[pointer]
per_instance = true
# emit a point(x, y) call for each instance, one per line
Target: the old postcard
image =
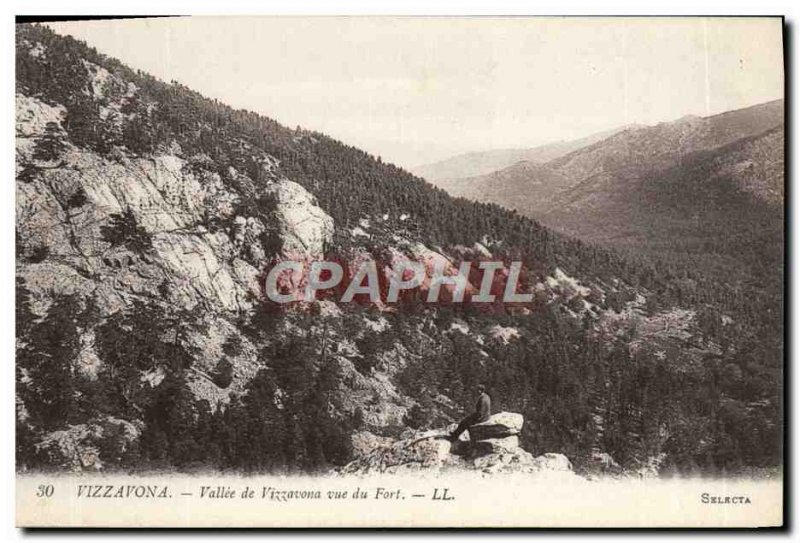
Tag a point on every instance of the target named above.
point(400, 272)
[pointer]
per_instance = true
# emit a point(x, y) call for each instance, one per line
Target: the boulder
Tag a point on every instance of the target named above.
point(553, 462)
point(517, 461)
point(365, 442)
point(547, 467)
point(433, 453)
point(304, 227)
point(499, 425)
point(495, 446)
point(411, 455)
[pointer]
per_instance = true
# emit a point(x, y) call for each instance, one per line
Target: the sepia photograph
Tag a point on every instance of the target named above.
point(400, 272)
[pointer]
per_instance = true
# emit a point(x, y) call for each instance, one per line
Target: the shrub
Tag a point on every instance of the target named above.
point(223, 374)
point(124, 229)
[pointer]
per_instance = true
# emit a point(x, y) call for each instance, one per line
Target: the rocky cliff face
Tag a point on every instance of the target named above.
point(204, 247)
point(205, 251)
point(64, 209)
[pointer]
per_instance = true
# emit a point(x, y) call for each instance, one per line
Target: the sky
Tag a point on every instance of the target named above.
point(416, 90)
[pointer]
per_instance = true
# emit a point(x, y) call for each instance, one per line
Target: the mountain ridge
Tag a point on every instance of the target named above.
point(625, 156)
point(484, 162)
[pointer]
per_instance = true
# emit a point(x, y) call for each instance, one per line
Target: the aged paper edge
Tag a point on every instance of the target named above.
point(47, 500)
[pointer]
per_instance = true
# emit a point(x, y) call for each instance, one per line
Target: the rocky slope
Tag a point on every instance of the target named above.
point(61, 216)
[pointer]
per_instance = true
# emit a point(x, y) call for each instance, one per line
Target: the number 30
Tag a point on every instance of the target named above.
point(44, 491)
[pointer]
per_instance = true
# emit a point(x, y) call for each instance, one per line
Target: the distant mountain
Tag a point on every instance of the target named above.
point(485, 162)
point(710, 194)
point(629, 154)
point(720, 210)
point(586, 187)
point(524, 187)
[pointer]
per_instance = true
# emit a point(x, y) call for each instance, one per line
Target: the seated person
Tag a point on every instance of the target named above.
point(483, 409)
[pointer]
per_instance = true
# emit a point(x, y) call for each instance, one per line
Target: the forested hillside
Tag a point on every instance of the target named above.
point(146, 215)
point(697, 198)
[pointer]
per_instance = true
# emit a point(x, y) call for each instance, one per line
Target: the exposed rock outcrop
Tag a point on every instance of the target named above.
point(77, 448)
point(499, 425)
point(496, 445)
point(304, 227)
point(432, 452)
